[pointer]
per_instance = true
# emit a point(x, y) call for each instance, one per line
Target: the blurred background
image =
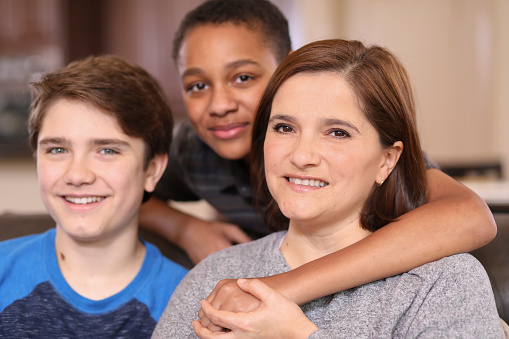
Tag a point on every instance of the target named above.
point(456, 52)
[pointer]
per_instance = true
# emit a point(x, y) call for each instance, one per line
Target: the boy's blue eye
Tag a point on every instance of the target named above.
point(108, 151)
point(56, 150)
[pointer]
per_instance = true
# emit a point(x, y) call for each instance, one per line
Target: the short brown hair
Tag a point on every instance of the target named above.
point(383, 91)
point(115, 86)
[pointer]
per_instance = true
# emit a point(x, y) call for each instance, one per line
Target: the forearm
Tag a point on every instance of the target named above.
point(455, 220)
point(197, 237)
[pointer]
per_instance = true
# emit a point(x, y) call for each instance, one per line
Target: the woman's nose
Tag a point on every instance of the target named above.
point(305, 152)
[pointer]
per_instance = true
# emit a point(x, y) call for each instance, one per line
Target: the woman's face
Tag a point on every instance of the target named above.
point(322, 155)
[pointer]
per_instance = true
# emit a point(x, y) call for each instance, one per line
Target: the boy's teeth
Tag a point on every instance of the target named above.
point(308, 182)
point(83, 200)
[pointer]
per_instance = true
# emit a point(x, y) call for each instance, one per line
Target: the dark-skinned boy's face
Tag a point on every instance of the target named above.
point(224, 70)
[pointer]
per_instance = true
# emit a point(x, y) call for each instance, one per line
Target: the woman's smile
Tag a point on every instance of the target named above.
point(322, 156)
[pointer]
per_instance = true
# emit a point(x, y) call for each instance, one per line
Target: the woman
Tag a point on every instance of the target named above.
point(337, 156)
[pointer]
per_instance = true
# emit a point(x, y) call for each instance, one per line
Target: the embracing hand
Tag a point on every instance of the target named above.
point(276, 317)
point(228, 296)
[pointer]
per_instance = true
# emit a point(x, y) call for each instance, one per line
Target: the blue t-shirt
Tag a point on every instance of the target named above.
point(37, 302)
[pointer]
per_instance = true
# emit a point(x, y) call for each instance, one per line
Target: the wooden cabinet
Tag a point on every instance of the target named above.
point(40, 35)
point(31, 42)
point(29, 25)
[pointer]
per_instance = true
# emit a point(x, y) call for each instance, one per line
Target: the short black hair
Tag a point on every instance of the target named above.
point(255, 14)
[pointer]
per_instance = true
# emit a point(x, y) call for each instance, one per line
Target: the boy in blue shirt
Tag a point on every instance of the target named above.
point(100, 129)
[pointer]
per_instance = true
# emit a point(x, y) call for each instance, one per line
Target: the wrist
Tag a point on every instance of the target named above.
point(286, 285)
point(306, 330)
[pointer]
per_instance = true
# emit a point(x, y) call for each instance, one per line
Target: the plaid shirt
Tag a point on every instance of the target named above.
point(196, 172)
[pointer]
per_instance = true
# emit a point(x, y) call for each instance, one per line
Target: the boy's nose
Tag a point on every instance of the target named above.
point(222, 102)
point(78, 172)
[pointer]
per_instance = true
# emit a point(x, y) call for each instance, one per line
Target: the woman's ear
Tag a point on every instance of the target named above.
point(391, 158)
point(155, 170)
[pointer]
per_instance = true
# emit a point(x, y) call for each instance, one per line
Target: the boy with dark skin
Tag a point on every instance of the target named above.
point(225, 52)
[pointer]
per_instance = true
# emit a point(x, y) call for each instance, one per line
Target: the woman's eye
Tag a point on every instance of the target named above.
point(339, 133)
point(283, 128)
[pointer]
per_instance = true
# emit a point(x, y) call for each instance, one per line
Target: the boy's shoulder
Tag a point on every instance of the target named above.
point(23, 265)
point(30, 274)
point(156, 280)
point(25, 251)
point(28, 241)
point(162, 267)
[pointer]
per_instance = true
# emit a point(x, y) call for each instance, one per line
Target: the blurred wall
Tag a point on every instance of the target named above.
point(455, 52)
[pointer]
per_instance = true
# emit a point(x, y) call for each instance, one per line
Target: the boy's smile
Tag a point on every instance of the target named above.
point(83, 200)
point(224, 70)
point(229, 131)
point(91, 173)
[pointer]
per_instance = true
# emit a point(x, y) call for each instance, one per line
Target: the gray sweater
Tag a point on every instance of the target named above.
point(448, 298)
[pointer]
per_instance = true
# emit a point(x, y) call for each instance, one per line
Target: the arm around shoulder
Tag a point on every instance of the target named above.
point(455, 220)
point(463, 211)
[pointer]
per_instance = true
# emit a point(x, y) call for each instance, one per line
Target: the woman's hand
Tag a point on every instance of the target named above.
point(276, 317)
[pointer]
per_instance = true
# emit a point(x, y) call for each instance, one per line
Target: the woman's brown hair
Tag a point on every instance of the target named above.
point(384, 94)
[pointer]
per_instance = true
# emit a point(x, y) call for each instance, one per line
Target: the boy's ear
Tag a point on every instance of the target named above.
point(391, 158)
point(155, 170)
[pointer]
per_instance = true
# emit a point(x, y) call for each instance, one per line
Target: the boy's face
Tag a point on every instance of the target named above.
point(224, 70)
point(91, 174)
